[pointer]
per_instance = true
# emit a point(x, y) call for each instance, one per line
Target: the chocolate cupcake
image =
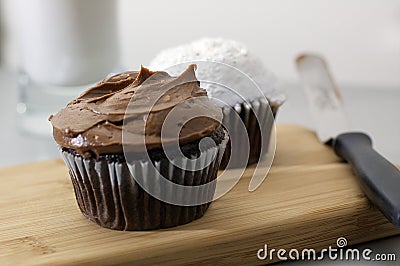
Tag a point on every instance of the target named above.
point(117, 148)
point(242, 86)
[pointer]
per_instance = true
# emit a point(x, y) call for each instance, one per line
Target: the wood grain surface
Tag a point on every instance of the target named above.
point(309, 199)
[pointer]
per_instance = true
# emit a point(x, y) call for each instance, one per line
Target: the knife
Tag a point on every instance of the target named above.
point(378, 178)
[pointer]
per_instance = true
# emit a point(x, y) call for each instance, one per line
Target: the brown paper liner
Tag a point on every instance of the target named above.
point(108, 195)
point(247, 115)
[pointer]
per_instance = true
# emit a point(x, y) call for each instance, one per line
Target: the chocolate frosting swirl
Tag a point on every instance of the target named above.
point(96, 120)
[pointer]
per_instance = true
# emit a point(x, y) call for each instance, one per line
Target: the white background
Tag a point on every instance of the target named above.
point(360, 38)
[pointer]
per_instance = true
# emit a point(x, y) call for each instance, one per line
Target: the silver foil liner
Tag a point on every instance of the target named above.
point(255, 115)
point(108, 194)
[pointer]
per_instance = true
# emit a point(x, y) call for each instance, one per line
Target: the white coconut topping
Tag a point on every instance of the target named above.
point(225, 68)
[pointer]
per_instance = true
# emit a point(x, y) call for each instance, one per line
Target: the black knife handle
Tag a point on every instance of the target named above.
point(379, 179)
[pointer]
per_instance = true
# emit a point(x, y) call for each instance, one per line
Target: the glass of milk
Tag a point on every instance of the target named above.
point(65, 46)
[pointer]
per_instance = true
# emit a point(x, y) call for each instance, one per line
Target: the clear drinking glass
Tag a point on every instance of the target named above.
point(65, 46)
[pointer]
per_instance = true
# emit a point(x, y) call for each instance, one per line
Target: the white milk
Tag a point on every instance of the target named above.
point(68, 42)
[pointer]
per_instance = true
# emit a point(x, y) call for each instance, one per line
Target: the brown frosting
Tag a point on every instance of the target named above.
point(96, 119)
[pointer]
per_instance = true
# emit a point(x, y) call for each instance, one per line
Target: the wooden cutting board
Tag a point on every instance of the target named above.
point(309, 199)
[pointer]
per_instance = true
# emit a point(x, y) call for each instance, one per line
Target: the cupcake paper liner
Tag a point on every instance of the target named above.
point(109, 195)
point(246, 113)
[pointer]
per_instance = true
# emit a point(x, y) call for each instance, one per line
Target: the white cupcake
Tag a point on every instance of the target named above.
point(240, 84)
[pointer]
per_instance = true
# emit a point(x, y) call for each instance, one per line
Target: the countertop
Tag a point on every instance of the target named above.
point(370, 109)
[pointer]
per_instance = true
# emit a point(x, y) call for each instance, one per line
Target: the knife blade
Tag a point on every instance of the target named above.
point(378, 178)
